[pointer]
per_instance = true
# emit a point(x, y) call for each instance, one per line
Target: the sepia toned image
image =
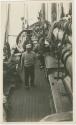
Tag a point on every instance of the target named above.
point(37, 61)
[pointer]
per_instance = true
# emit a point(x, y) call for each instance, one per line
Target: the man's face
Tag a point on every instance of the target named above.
point(28, 49)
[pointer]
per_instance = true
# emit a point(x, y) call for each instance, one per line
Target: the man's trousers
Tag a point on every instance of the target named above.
point(29, 75)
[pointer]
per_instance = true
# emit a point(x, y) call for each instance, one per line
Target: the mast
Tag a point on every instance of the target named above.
point(23, 18)
point(27, 16)
point(43, 12)
point(7, 25)
point(24, 11)
point(54, 12)
point(47, 11)
point(6, 49)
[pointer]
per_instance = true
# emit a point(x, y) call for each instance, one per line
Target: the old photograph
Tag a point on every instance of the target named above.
point(37, 61)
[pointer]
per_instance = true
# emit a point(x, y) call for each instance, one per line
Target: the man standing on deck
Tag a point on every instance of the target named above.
point(28, 61)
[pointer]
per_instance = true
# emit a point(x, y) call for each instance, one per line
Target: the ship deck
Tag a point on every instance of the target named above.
point(33, 104)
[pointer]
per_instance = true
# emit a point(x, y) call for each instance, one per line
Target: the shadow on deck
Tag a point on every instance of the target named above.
point(33, 104)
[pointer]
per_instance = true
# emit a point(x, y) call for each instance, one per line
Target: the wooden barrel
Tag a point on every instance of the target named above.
point(67, 58)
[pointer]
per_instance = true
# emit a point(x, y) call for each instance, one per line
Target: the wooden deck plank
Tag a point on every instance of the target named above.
point(55, 94)
point(60, 97)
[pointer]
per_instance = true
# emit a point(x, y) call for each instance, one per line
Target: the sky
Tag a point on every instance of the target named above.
point(18, 10)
